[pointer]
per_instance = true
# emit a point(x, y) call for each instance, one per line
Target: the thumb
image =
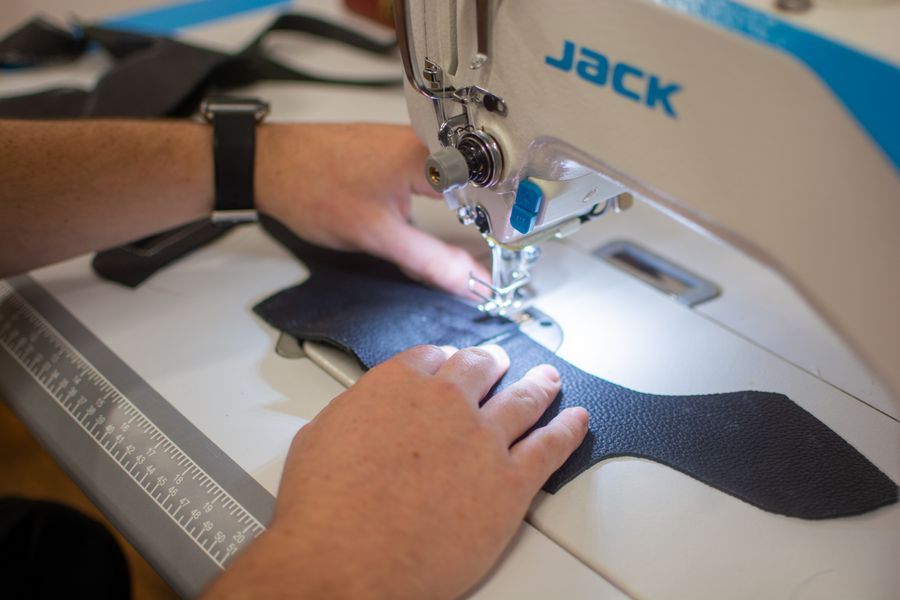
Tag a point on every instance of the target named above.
point(426, 258)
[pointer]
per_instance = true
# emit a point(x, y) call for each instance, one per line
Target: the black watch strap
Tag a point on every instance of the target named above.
point(234, 122)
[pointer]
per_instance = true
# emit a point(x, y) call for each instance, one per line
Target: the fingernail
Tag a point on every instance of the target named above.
point(498, 352)
point(581, 413)
point(550, 373)
point(449, 350)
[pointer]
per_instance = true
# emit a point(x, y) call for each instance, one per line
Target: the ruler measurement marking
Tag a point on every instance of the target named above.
point(13, 340)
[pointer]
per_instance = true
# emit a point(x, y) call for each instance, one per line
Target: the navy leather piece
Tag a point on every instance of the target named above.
point(758, 446)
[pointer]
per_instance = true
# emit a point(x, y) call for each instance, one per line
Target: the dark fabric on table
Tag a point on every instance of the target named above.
point(757, 446)
point(154, 75)
point(39, 41)
point(134, 263)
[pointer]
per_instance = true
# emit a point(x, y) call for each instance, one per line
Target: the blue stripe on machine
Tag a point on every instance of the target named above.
point(169, 18)
point(867, 86)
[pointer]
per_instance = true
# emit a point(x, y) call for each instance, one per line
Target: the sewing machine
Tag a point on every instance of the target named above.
point(544, 116)
point(753, 151)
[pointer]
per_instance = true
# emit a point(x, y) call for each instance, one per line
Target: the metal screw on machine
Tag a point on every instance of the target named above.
point(433, 74)
point(466, 215)
point(493, 103)
point(476, 158)
point(482, 220)
point(530, 254)
point(475, 215)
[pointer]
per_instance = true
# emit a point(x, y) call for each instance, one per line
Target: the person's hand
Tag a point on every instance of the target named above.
point(402, 487)
point(348, 187)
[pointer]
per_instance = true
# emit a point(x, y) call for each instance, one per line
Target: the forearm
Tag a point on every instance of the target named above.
point(72, 187)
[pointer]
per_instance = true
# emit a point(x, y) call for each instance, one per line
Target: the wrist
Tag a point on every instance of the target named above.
point(280, 565)
point(234, 122)
point(272, 154)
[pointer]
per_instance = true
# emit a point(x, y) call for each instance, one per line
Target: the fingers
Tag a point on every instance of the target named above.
point(475, 370)
point(516, 408)
point(424, 257)
point(547, 448)
point(426, 359)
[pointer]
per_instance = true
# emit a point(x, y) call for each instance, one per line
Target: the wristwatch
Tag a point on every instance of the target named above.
point(234, 122)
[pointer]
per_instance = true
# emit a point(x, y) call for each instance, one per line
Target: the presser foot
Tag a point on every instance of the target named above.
point(500, 301)
point(510, 273)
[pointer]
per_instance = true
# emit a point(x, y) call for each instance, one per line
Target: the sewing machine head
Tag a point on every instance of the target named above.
point(514, 207)
point(514, 222)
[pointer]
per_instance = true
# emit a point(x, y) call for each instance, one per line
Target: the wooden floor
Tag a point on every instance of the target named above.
point(26, 470)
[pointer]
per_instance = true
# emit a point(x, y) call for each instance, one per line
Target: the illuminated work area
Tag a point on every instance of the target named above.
point(565, 299)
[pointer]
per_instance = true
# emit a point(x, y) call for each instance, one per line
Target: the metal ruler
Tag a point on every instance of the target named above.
point(204, 511)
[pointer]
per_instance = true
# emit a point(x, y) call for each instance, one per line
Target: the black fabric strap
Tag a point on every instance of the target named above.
point(155, 76)
point(757, 446)
point(39, 41)
point(134, 263)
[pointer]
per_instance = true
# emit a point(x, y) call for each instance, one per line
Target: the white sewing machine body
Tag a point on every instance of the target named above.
point(728, 116)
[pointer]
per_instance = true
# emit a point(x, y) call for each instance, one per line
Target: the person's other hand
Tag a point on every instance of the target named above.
point(348, 187)
point(402, 487)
